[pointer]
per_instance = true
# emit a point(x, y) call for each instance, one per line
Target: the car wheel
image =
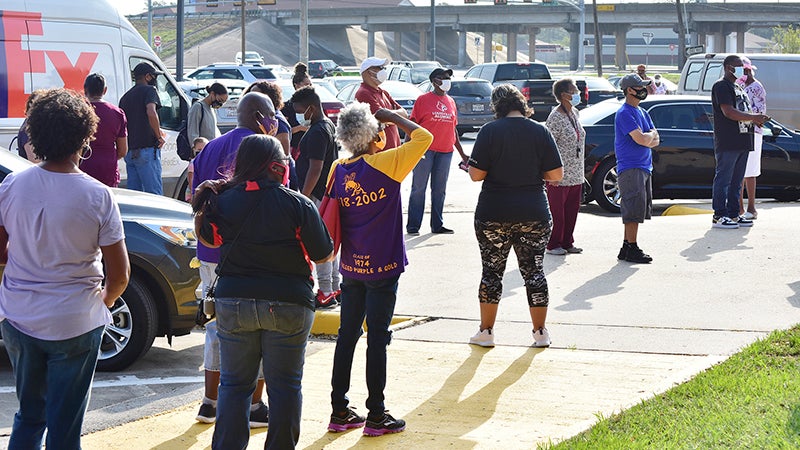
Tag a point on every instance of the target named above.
point(134, 322)
point(605, 187)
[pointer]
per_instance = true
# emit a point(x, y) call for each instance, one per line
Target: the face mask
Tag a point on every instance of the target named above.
point(282, 169)
point(576, 99)
point(268, 125)
point(738, 72)
point(216, 104)
point(153, 81)
point(301, 118)
point(445, 86)
point(641, 95)
point(380, 140)
point(382, 75)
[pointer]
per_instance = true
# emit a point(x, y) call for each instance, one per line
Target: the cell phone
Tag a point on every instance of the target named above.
point(463, 165)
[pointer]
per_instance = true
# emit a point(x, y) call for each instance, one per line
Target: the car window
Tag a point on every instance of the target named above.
point(228, 74)
point(471, 89)
point(599, 84)
point(706, 116)
point(205, 74)
point(419, 75)
point(262, 74)
point(346, 94)
point(404, 75)
point(713, 73)
point(692, 79)
point(522, 72)
point(676, 117)
point(474, 72)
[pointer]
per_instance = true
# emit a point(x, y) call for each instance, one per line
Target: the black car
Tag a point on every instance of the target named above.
point(473, 99)
point(322, 68)
point(160, 299)
point(683, 165)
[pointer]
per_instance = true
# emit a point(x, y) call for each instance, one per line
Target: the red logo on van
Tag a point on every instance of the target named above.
point(18, 61)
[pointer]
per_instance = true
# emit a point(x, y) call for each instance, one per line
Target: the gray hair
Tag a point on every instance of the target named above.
point(356, 128)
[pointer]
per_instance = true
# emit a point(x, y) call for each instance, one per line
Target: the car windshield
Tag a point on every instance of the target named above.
point(419, 75)
point(252, 55)
point(470, 89)
point(262, 74)
point(599, 84)
point(402, 90)
point(599, 111)
point(522, 72)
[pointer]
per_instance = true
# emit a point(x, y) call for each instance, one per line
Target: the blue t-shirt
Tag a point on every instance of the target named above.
point(631, 155)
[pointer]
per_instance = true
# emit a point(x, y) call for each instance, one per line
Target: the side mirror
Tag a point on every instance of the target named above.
point(776, 130)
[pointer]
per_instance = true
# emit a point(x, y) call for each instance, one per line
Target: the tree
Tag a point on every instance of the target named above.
point(787, 40)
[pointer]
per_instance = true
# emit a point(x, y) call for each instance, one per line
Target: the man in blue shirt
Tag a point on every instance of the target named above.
point(635, 136)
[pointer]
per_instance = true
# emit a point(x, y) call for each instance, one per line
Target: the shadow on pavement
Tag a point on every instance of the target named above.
point(605, 284)
point(715, 241)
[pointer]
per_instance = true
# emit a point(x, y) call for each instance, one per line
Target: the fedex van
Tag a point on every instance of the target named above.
point(55, 43)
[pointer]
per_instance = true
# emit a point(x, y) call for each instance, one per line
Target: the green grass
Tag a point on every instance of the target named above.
point(196, 30)
point(750, 401)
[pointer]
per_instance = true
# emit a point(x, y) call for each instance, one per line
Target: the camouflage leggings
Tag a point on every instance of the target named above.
point(529, 240)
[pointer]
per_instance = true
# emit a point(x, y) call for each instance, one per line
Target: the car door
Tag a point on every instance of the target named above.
point(780, 158)
point(685, 156)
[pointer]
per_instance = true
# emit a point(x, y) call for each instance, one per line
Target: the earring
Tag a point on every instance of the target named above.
point(86, 149)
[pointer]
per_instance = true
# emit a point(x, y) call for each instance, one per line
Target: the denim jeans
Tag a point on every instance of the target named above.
point(143, 166)
point(375, 300)
point(436, 166)
point(53, 379)
point(250, 330)
point(728, 176)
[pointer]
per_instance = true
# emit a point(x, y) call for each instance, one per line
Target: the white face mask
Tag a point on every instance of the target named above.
point(382, 75)
point(445, 86)
point(301, 118)
point(576, 99)
point(738, 72)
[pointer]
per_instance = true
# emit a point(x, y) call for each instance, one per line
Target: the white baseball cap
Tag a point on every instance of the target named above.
point(372, 61)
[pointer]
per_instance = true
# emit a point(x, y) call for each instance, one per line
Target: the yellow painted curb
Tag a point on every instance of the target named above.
point(681, 210)
point(327, 322)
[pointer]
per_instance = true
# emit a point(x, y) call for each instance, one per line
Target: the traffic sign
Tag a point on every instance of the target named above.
point(694, 50)
point(157, 41)
point(648, 36)
point(671, 47)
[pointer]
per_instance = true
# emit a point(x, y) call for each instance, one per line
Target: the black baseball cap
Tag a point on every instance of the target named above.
point(438, 72)
point(144, 68)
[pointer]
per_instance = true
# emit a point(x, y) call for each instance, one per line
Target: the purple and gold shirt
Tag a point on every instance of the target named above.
point(368, 190)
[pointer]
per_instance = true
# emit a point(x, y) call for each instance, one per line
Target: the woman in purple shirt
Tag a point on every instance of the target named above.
point(110, 143)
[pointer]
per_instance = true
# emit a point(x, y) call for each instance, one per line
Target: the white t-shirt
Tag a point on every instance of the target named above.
point(56, 223)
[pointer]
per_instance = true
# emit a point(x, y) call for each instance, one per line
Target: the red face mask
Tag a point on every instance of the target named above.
point(282, 169)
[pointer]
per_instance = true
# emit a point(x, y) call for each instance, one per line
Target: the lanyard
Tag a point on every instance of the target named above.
point(575, 127)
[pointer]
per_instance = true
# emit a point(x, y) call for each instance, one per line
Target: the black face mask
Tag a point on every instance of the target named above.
point(641, 95)
point(216, 104)
point(153, 81)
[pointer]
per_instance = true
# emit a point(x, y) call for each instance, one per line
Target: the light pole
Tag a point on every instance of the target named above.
point(433, 30)
point(581, 46)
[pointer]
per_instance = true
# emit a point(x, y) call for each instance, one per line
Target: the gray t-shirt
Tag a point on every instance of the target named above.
point(202, 121)
point(56, 224)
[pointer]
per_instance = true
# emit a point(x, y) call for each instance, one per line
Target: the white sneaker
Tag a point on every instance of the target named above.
point(483, 338)
point(750, 216)
point(541, 338)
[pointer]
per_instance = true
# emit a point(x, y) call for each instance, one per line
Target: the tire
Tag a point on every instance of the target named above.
point(133, 328)
point(605, 188)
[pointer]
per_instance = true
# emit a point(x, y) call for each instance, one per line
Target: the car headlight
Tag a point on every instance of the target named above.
point(178, 234)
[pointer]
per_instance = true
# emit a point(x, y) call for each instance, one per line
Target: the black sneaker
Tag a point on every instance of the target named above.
point(259, 417)
point(413, 232)
point(385, 425)
point(636, 255)
point(207, 414)
point(350, 420)
point(623, 252)
point(443, 230)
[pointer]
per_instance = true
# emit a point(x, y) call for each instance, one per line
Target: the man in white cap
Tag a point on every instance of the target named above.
point(373, 73)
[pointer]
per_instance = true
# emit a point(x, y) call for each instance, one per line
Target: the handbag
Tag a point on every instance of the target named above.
point(329, 211)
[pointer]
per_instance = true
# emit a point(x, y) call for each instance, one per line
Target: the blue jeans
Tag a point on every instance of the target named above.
point(375, 300)
point(52, 380)
point(436, 166)
point(250, 330)
point(143, 166)
point(728, 176)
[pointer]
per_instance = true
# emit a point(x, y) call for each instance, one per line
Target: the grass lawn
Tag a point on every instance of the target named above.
point(750, 401)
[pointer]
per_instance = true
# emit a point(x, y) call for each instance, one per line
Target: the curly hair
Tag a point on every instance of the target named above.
point(306, 96)
point(60, 123)
point(270, 89)
point(356, 128)
point(561, 86)
point(300, 73)
point(507, 98)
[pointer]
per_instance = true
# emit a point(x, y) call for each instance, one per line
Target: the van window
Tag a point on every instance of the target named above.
point(693, 72)
point(170, 112)
point(522, 72)
point(713, 73)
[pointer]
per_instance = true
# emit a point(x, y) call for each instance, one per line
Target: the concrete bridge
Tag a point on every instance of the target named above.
point(704, 20)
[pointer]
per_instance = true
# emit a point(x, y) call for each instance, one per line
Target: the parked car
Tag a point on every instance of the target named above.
point(322, 68)
point(599, 89)
point(672, 88)
point(403, 93)
point(473, 99)
point(160, 299)
point(411, 75)
point(683, 165)
point(249, 58)
point(417, 64)
point(223, 71)
point(226, 115)
point(341, 81)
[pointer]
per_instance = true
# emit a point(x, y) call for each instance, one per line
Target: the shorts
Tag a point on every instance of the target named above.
point(636, 195)
point(753, 168)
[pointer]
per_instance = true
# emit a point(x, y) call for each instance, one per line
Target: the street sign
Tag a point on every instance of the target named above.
point(648, 36)
point(605, 7)
point(671, 47)
point(694, 50)
point(157, 41)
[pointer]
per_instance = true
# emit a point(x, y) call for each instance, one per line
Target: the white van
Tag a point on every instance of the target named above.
point(54, 43)
point(775, 71)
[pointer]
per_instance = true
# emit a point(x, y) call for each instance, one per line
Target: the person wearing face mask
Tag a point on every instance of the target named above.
point(733, 141)
point(635, 136)
point(318, 150)
point(436, 112)
point(641, 70)
point(373, 73)
point(758, 103)
point(564, 196)
point(202, 120)
point(145, 137)
point(659, 88)
point(255, 115)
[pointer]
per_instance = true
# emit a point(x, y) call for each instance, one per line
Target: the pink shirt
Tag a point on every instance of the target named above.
point(439, 115)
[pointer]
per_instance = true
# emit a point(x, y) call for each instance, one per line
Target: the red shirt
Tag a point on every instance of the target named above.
point(377, 98)
point(439, 115)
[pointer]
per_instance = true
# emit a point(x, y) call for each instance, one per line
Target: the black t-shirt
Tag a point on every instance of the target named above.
point(134, 103)
point(268, 259)
point(318, 143)
point(515, 152)
point(728, 135)
point(288, 112)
